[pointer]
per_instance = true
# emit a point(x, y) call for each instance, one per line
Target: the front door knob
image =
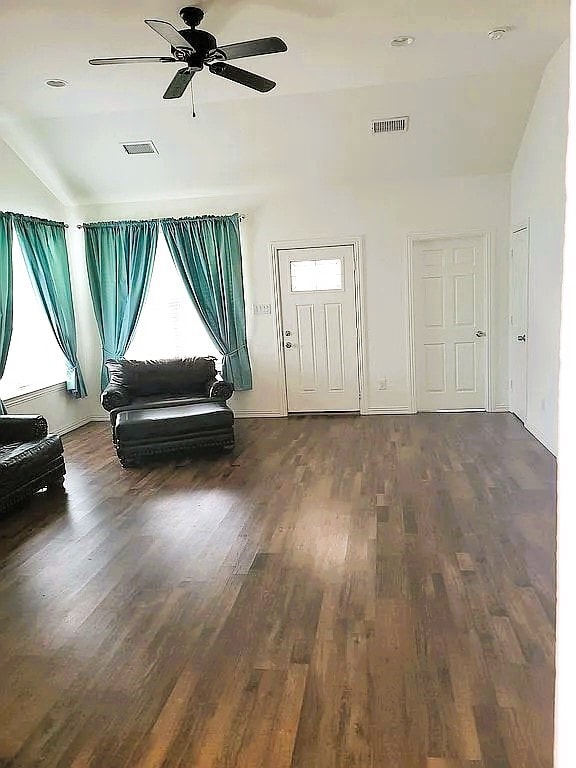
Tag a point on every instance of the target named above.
point(288, 344)
point(522, 338)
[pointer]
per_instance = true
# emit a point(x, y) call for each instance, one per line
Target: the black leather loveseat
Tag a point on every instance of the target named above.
point(30, 458)
point(166, 407)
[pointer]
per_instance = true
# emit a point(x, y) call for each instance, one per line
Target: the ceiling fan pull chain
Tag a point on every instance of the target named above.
point(192, 100)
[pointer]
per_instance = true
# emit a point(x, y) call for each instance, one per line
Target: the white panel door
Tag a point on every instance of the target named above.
point(518, 321)
point(319, 329)
point(450, 323)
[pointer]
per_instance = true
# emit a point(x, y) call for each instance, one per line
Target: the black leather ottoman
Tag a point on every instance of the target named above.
point(149, 433)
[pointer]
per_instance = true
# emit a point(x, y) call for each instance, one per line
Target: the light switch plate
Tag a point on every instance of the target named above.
point(261, 309)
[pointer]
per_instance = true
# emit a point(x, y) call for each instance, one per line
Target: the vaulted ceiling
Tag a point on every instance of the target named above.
point(468, 96)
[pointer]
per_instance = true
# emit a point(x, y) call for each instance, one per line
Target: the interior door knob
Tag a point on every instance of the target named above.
point(480, 334)
point(522, 338)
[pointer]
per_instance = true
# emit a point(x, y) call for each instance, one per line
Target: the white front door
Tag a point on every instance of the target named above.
point(450, 323)
point(319, 330)
point(518, 321)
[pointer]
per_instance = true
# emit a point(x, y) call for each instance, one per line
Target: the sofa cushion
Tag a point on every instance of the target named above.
point(154, 377)
point(172, 422)
point(23, 460)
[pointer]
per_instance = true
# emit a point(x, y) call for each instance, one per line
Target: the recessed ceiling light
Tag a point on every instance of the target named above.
point(498, 34)
point(57, 83)
point(402, 40)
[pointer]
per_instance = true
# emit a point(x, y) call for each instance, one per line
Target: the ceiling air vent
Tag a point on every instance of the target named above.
point(140, 148)
point(391, 125)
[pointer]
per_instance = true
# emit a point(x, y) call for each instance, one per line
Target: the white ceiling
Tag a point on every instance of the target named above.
point(314, 139)
point(333, 46)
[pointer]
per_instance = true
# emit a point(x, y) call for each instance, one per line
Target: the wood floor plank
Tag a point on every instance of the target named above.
point(336, 593)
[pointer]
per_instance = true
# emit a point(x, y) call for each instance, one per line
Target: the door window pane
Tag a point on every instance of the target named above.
point(320, 275)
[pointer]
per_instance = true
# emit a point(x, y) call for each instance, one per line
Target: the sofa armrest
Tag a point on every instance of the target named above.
point(115, 396)
point(22, 428)
point(219, 389)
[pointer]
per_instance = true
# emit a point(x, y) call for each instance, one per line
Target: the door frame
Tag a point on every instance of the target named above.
point(357, 245)
point(486, 237)
point(518, 227)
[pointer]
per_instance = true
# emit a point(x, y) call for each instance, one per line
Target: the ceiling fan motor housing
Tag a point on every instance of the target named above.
point(202, 42)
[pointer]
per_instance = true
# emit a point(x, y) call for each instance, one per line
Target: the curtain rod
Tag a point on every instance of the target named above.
point(241, 216)
point(37, 218)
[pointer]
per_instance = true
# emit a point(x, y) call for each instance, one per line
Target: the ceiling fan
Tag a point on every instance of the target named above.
point(196, 49)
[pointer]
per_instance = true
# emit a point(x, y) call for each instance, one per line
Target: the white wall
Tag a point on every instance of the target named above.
point(22, 192)
point(384, 215)
point(538, 194)
point(566, 568)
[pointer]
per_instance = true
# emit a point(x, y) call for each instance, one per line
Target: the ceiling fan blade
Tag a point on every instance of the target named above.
point(254, 48)
point(134, 60)
point(179, 83)
point(169, 33)
point(242, 76)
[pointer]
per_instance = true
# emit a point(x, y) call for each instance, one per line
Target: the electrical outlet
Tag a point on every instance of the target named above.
point(261, 309)
point(382, 385)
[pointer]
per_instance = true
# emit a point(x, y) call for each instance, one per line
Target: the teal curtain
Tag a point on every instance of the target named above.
point(6, 288)
point(208, 255)
point(43, 245)
point(120, 258)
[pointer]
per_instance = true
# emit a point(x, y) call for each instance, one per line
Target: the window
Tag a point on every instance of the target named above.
point(34, 358)
point(169, 325)
point(320, 275)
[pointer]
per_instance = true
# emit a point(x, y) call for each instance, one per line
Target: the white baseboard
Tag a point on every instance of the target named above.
point(399, 410)
point(74, 425)
point(80, 423)
point(540, 437)
point(406, 409)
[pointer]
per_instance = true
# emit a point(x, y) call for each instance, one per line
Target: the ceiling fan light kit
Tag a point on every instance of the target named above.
point(499, 33)
point(196, 49)
point(403, 40)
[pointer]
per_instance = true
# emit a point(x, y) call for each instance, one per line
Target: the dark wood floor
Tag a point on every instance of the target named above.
point(337, 593)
